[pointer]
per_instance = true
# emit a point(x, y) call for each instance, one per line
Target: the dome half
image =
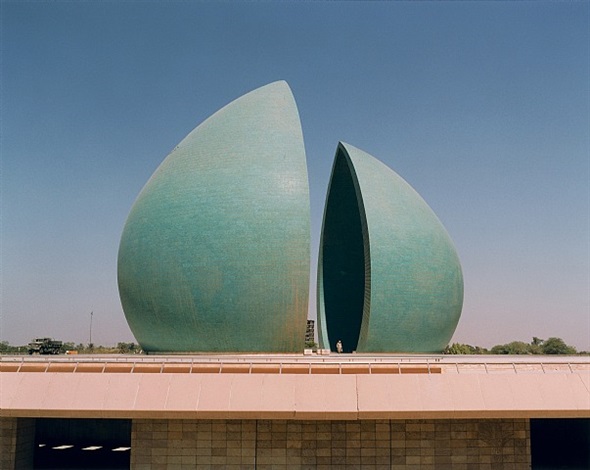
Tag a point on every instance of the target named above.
point(214, 255)
point(389, 278)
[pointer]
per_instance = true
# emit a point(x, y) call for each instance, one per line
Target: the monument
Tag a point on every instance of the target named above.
point(215, 253)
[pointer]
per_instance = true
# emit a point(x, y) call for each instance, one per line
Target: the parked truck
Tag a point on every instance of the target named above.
point(45, 346)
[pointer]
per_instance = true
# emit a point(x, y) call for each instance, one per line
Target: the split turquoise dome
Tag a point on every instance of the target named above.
point(389, 279)
point(215, 252)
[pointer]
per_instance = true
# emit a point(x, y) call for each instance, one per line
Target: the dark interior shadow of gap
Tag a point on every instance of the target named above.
point(344, 261)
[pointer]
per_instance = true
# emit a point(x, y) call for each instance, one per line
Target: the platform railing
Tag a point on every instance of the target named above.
point(295, 364)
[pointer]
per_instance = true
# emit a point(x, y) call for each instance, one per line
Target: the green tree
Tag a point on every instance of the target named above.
point(126, 348)
point(535, 346)
point(7, 348)
point(500, 349)
point(458, 348)
point(519, 347)
point(556, 346)
point(311, 345)
point(515, 347)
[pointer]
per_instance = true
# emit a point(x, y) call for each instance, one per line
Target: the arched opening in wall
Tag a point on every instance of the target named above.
point(343, 257)
point(82, 443)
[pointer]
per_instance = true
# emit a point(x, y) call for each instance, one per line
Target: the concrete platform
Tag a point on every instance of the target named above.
point(295, 387)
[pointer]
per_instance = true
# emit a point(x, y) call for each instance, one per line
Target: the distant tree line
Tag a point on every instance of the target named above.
point(6, 348)
point(90, 348)
point(536, 346)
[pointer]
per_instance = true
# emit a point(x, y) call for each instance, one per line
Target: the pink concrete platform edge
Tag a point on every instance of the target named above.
point(499, 392)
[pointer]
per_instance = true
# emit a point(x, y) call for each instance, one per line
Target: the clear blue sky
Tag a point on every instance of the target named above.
point(483, 107)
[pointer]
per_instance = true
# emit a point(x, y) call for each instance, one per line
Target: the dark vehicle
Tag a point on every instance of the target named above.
point(45, 346)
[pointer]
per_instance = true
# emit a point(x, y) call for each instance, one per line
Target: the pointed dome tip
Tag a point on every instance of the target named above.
point(278, 84)
point(280, 87)
point(346, 146)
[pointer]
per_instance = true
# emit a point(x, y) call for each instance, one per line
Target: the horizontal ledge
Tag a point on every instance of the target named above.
point(294, 415)
point(218, 368)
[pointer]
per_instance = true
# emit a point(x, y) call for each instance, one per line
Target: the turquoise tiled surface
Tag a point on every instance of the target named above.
point(214, 255)
point(389, 278)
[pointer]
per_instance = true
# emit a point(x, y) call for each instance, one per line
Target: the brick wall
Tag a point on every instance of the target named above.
point(376, 444)
point(180, 444)
point(7, 442)
point(17, 439)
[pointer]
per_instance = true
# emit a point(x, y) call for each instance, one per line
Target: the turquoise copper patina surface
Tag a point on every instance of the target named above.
point(214, 255)
point(389, 278)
